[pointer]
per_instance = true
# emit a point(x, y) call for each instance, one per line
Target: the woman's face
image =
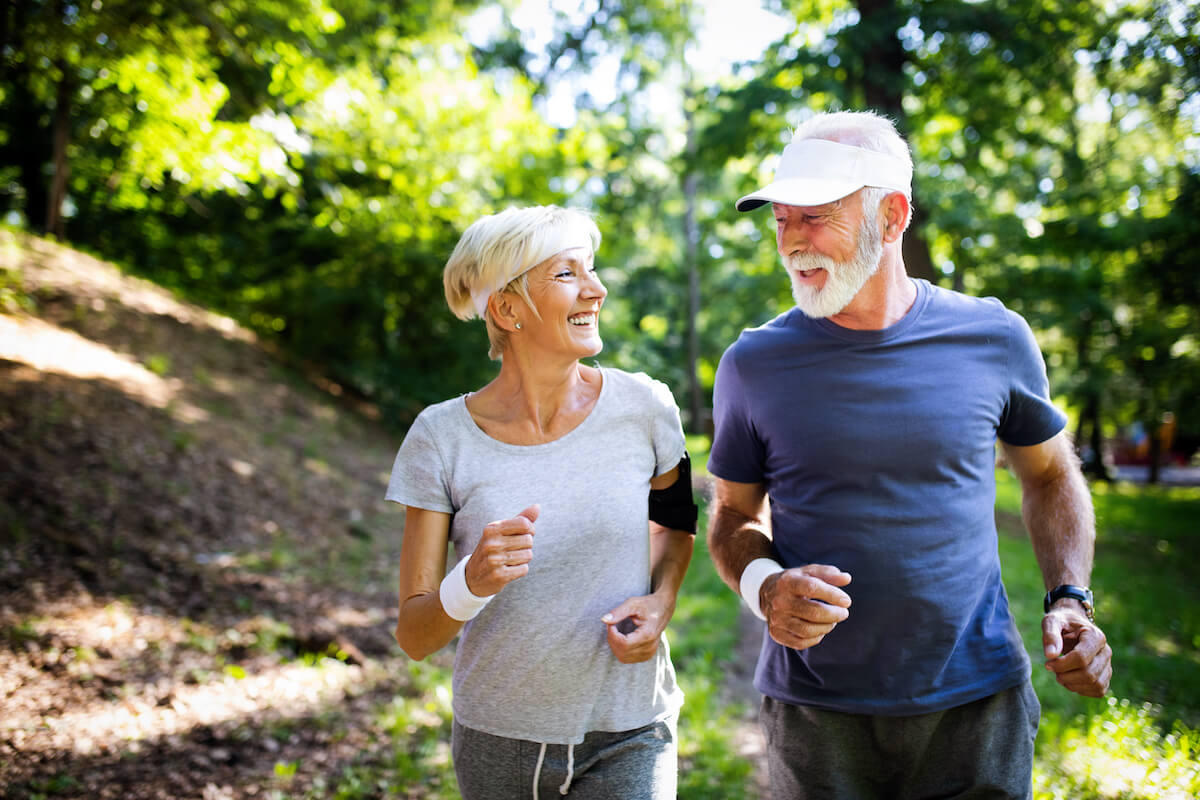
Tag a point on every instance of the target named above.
point(568, 295)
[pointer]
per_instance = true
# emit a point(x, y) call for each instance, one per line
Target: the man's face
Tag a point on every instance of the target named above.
point(829, 251)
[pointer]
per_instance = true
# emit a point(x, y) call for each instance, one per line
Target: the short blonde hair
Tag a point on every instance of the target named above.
point(497, 251)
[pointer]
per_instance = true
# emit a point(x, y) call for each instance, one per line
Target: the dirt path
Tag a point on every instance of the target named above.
point(196, 562)
point(740, 684)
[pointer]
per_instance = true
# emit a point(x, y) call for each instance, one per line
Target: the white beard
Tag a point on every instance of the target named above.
point(843, 279)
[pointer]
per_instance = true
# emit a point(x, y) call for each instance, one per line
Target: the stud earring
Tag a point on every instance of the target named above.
point(518, 326)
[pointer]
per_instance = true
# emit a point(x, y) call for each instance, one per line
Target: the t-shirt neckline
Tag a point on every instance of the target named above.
point(479, 433)
point(898, 328)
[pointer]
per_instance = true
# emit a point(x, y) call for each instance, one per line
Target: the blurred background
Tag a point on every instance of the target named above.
point(286, 178)
point(302, 164)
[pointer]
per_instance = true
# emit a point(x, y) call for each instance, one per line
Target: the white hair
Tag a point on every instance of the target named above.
point(497, 251)
point(867, 130)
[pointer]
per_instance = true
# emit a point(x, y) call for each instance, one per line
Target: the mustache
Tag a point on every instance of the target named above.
point(809, 261)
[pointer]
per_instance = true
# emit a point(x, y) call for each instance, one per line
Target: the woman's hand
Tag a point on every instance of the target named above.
point(503, 553)
point(635, 626)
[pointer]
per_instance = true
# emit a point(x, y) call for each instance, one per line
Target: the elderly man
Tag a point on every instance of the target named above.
point(853, 510)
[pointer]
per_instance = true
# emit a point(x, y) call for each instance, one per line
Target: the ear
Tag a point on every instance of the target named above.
point(895, 210)
point(503, 311)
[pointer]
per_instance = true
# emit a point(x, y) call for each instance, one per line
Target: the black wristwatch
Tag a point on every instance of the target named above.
point(1080, 593)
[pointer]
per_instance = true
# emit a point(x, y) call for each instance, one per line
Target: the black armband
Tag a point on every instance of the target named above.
point(674, 507)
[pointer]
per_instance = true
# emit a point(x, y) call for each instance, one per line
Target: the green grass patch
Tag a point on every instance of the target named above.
point(416, 759)
point(1141, 741)
point(703, 636)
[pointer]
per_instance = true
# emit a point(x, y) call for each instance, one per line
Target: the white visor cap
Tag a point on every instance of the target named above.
point(813, 172)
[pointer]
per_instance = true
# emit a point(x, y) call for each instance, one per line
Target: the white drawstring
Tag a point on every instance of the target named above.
point(566, 787)
point(537, 772)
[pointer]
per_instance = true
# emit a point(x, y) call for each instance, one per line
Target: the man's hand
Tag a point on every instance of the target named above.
point(804, 604)
point(1077, 651)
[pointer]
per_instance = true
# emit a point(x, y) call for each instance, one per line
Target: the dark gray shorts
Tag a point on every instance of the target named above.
point(641, 764)
point(983, 749)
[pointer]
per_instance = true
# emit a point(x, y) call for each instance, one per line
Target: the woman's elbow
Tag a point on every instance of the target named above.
point(411, 645)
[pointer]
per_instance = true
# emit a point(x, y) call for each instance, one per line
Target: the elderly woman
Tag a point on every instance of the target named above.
point(566, 492)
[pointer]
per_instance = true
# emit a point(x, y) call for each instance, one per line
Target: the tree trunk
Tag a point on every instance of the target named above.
point(55, 224)
point(691, 235)
point(29, 151)
point(883, 90)
point(1089, 439)
point(917, 260)
point(1089, 416)
point(1152, 472)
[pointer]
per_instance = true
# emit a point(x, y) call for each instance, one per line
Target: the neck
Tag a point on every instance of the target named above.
point(536, 401)
point(884, 299)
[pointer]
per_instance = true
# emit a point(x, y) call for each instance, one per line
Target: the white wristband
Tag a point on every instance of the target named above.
point(457, 599)
point(752, 579)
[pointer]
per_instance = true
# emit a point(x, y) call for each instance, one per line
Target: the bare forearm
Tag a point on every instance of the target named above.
point(670, 555)
point(1062, 527)
point(734, 540)
point(424, 627)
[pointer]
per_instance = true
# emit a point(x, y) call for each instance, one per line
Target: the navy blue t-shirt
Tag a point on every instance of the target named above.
point(877, 450)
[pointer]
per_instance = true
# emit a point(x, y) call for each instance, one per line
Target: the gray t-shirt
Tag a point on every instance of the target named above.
point(535, 664)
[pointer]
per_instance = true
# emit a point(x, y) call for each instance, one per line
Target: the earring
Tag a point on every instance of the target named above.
point(518, 326)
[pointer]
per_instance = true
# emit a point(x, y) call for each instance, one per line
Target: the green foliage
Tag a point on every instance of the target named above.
point(1140, 759)
point(1141, 741)
point(306, 166)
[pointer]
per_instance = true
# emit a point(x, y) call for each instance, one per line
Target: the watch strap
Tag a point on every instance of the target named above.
point(1080, 593)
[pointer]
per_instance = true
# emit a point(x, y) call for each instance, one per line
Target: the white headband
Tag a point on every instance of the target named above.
point(813, 172)
point(576, 233)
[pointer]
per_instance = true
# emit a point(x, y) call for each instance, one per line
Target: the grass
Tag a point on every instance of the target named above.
point(703, 636)
point(1142, 740)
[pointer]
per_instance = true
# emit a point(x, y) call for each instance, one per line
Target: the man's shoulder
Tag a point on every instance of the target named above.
point(952, 301)
point(786, 325)
point(953, 297)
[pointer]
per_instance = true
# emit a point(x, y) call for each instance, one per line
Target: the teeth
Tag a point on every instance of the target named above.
point(585, 319)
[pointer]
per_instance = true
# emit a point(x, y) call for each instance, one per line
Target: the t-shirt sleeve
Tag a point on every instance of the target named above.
point(666, 430)
point(418, 474)
point(1029, 417)
point(737, 452)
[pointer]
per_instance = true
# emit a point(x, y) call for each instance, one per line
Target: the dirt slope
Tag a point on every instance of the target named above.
point(196, 565)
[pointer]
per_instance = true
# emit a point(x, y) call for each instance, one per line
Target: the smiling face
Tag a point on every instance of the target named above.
point(568, 295)
point(830, 252)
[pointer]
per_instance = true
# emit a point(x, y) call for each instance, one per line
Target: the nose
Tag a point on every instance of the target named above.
point(789, 234)
point(594, 287)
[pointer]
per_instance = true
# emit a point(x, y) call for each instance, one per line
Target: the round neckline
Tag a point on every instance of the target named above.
point(897, 328)
point(479, 433)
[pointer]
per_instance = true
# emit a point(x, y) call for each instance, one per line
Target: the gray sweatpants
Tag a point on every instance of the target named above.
point(983, 749)
point(641, 764)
